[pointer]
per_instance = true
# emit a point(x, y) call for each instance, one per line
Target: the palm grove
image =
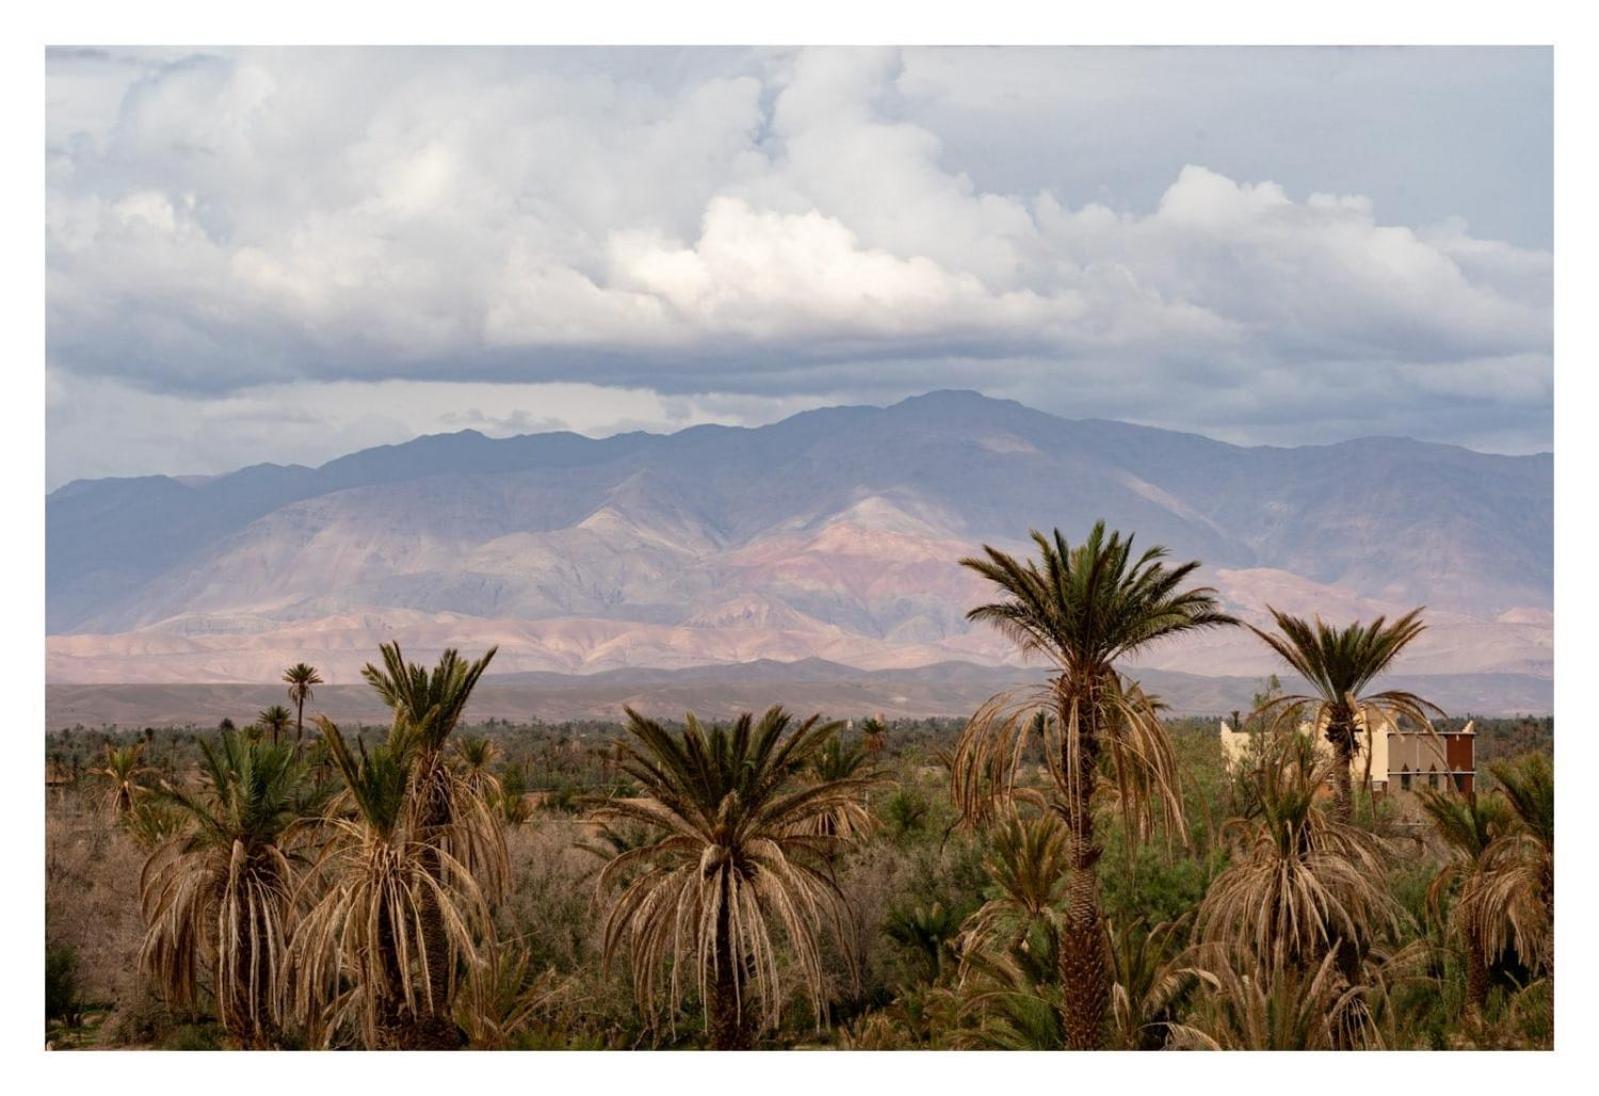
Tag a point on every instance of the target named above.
point(1073, 870)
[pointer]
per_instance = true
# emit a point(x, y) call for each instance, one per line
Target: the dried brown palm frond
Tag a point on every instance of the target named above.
point(1301, 881)
point(1259, 1007)
point(1515, 904)
point(730, 868)
point(990, 754)
point(1468, 826)
point(1508, 906)
point(218, 900)
point(456, 812)
point(1009, 1000)
point(361, 959)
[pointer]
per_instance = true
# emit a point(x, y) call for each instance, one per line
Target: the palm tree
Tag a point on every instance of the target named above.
point(450, 814)
point(1083, 609)
point(1275, 1008)
point(300, 677)
point(1154, 980)
point(733, 854)
point(833, 763)
point(1515, 905)
point(504, 997)
point(1302, 883)
point(1028, 868)
point(926, 935)
point(1468, 825)
point(220, 895)
point(124, 775)
point(874, 734)
point(1339, 664)
point(361, 957)
point(474, 759)
point(274, 719)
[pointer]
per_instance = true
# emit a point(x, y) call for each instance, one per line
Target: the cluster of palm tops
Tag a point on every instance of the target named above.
point(358, 910)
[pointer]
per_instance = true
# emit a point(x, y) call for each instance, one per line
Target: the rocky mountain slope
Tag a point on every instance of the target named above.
point(833, 534)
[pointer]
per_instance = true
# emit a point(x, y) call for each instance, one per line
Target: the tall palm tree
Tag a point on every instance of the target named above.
point(300, 677)
point(274, 719)
point(360, 958)
point(1083, 609)
point(1468, 825)
point(732, 858)
point(1339, 664)
point(451, 816)
point(1302, 883)
point(219, 897)
point(125, 775)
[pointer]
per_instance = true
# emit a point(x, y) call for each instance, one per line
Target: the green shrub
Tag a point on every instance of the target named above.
point(61, 990)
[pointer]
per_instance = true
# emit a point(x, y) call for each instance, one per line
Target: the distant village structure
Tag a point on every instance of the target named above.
point(1401, 760)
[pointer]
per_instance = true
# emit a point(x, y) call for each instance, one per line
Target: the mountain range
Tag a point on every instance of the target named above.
point(834, 534)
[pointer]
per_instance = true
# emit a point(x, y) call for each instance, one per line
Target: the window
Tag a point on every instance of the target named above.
point(1460, 782)
point(1404, 779)
point(1432, 777)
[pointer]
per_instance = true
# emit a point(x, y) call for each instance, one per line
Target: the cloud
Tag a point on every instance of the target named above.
point(775, 225)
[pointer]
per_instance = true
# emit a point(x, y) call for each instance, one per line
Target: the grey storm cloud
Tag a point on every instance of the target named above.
point(1262, 245)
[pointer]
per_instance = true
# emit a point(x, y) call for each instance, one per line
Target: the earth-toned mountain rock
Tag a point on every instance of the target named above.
point(834, 534)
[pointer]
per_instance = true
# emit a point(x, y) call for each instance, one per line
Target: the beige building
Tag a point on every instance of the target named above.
point(1401, 760)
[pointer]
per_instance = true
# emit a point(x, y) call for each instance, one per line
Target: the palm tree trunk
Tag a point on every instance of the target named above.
point(728, 1031)
point(396, 1026)
point(1476, 980)
point(1084, 973)
point(299, 723)
point(1341, 734)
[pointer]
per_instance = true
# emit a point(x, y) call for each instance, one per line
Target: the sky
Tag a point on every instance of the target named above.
point(289, 254)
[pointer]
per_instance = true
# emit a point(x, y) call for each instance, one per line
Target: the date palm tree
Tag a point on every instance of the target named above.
point(1083, 609)
point(274, 719)
point(1468, 825)
point(474, 760)
point(1028, 868)
point(300, 678)
point(874, 735)
point(833, 763)
point(1302, 883)
point(1339, 664)
point(1515, 904)
point(218, 898)
point(1253, 1007)
point(450, 814)
point(125, 777)
point(361, 958)
point(733, 859)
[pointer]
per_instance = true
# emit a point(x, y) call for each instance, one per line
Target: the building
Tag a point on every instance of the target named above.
point(1402, 760)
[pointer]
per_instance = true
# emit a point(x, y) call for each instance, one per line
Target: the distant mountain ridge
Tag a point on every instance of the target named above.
point(832, 534)
point(950, 689)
